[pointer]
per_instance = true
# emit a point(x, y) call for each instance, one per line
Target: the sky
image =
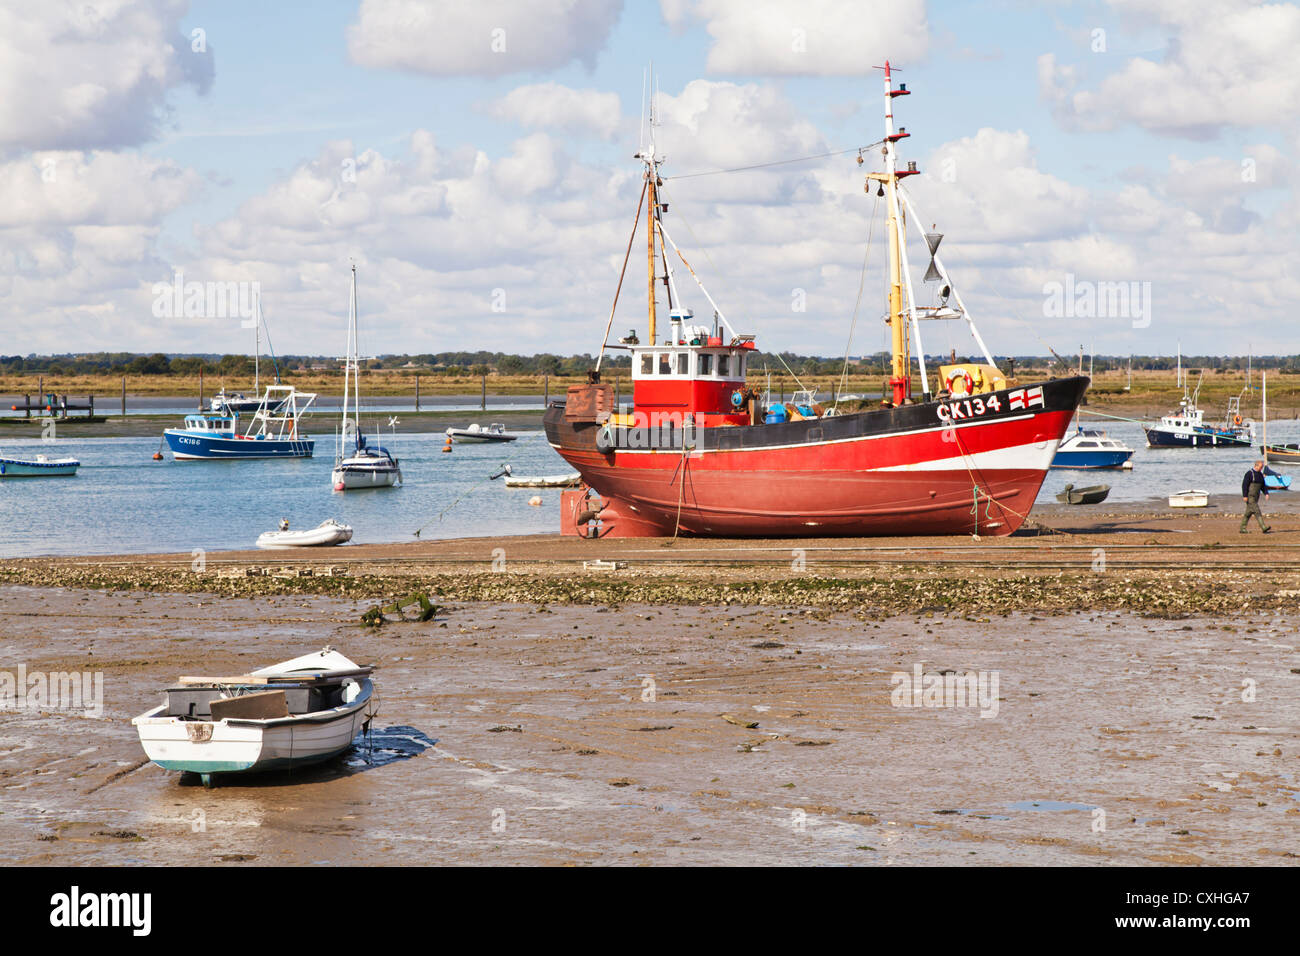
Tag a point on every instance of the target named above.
point(474, 160)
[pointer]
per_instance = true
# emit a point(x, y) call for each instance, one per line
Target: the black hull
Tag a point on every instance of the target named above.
point(1157, 438)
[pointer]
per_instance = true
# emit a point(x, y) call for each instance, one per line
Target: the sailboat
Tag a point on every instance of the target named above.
point(699, 455)
point(359, 465)
point(1275, 454)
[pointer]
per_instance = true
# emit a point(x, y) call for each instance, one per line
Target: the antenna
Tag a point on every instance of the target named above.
point(641, 144)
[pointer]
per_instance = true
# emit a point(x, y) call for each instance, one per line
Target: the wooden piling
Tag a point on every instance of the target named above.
point(124, 396)
point(483, 399)
point(200, 388)
point(546, 390)
point(417, 392)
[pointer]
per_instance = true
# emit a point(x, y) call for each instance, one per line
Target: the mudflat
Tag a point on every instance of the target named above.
point(598, 733)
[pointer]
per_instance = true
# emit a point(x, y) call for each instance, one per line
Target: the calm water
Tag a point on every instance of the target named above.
point(123, 501)
point(1159, 472)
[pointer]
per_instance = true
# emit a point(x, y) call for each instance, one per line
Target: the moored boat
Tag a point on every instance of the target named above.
point(274, 432)
point(1274, 454)
point(965, 453)
point(1094, 494)
point(1192, 498)
point(1091, 448)
point(329, 532)
point(359, 465)
point(1186, 428)
point(39, 467)
point(1281, 454)
point(496, 432)
point(300, 712)
point(571, 480)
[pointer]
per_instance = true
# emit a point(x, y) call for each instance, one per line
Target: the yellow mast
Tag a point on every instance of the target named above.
point(900, 382)
point(897, 324)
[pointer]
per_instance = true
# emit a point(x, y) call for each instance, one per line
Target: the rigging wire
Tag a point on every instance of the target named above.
point(779, 162)
point(716, 271)
point(645, 184)
point(862, 281)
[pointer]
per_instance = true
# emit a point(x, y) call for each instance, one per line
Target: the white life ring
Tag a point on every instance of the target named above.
point(962, 374)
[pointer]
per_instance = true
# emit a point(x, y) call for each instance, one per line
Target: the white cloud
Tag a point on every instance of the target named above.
point(558, 107)
point(484, 37)
point(81, 75)
point(1228, 63)
point(810, 38)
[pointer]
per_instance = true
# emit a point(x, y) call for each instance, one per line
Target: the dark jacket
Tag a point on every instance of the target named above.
point(1254, 477)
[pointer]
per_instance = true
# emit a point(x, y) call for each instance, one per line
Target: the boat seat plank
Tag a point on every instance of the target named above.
point(191, 681)
point(259, 706)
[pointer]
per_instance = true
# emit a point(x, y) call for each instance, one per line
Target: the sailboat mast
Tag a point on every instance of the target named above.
point(1264, 412)
point(257, 347)
point(356, 359)
point(347, 365)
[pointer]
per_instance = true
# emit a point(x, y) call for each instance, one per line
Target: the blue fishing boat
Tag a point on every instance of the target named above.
point(274, 432)
point(1091, 448)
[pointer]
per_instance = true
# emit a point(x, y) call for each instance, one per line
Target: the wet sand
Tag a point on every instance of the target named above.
point(539, 726)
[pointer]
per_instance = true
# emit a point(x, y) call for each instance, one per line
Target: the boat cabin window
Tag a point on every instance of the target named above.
point(1087, 444)
point(683, 363)
point(648, 364)
point(664, 367)
point(724, 365)
point(706, 365)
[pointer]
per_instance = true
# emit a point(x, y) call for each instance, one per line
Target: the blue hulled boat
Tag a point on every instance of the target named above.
point(274, 431)
point(1091, 448)
point(1186, 428)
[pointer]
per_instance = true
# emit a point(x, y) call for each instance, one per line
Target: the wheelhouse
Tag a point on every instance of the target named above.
point(693, 373)
point(212, 424)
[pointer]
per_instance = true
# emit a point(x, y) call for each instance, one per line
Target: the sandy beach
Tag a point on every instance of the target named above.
point(704, 703)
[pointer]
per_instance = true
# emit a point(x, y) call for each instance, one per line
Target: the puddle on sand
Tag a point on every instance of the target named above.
point(1049, 805)
point(386, 745)
point(977, 814)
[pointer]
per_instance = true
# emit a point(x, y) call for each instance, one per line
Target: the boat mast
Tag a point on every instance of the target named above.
point(647, 156)
point(349, 364)
point(356, 361)
point(899, 381)
point(1264, 413)
point(257, 346)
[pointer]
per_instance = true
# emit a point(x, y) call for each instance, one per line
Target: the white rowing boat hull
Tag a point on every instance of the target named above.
point(242, 746)
point(571, 480)
point(1189, 499)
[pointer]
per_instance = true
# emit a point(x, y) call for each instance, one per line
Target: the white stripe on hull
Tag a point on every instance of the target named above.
point(1034, 456)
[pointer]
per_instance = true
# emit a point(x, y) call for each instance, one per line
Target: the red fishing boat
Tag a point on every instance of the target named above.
point(700, 452)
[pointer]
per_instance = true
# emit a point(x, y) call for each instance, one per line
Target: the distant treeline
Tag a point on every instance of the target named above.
point(488, 363)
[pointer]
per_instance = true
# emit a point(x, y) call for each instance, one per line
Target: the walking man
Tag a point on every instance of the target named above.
point(1251, 486)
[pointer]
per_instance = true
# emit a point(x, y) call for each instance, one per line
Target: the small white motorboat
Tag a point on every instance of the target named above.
point(300, 712)
point(38, 467)
point(326, 533)
point(571, 480)
point(1189, 499)
point(495, 432)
